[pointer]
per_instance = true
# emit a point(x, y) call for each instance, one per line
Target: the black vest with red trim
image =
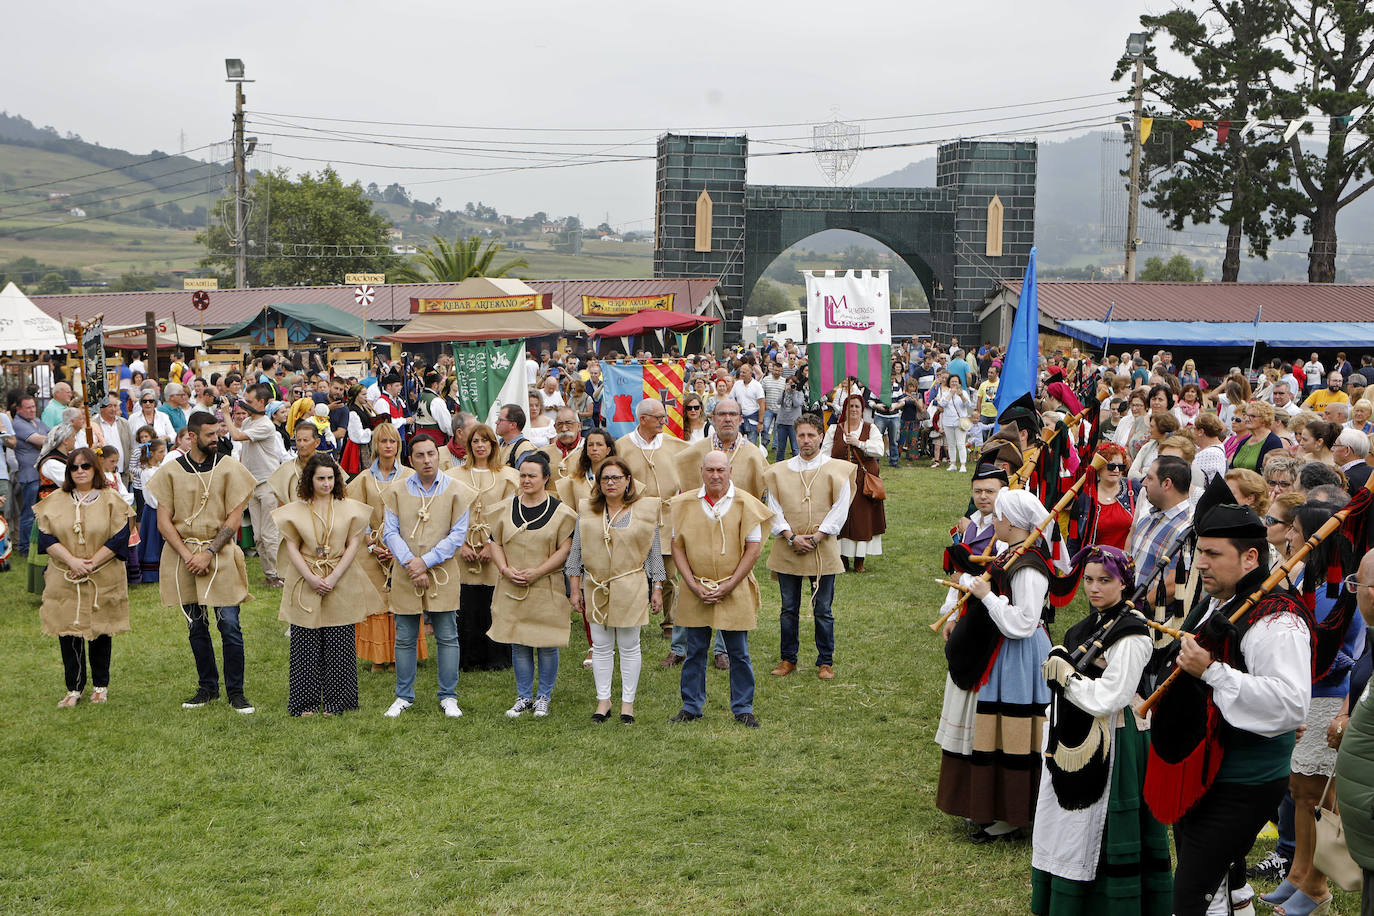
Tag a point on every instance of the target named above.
point(975, 640)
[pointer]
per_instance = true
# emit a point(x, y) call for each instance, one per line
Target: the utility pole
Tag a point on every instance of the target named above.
point(233, 68)
point(1135, 47)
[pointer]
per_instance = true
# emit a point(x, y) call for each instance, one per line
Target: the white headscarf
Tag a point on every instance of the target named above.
point(1020, 508)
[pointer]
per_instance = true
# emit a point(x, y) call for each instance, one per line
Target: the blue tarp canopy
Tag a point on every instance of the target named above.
point(1222, 334)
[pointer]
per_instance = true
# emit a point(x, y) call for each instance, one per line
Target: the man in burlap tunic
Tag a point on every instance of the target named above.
point(200, 501)
point(717, 537)
point(426, 522)
point(652, 453)
point(809, 495)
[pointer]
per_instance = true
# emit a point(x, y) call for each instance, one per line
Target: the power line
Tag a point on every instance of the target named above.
point(85, 219)
point(120, 168)
point(8, 215)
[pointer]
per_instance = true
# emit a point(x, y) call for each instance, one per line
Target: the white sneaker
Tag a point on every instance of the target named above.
point(397, 707)
point(541, 707)
point(450, 707)
point(522, 705)
point(951, 467)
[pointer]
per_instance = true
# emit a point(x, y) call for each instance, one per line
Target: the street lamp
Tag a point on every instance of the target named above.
point(1136, 43)
point(234, 70)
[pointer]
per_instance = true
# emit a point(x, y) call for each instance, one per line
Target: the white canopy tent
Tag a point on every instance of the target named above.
point(23, 327)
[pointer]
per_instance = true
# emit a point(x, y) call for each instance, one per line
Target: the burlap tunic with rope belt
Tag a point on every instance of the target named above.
point(806, 497)
point(366, 489)
point(614, 587)
point(747, 464)
point(199, 503)
point(561, 467)
point(96, 604)
point(713, 548)
point(493, 489)
point(354, 597)
point(425, 521)
point(536, 614)
point(659, 470)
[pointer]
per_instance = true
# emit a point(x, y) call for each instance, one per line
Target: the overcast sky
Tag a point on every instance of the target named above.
point(594, 79)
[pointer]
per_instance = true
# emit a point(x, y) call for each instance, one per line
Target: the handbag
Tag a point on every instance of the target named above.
point(1332, 856)
point(965, 423)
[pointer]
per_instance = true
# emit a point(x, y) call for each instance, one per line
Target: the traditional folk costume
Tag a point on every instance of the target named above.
point(618, 559)
point(655, 464)
point(375, 636)
point(90, 608)
point(324, 660)
point(1096, 847)
point(748, 463)
point(52, 469)
point(533, 619)
point(200, 497)
point(712, 536)
point(1221, 745)
point(480, 578)
point(562, 462)
point(808, 497)
point(862, 535)
point(430, 523)
point(283, 482)
point(995, 697)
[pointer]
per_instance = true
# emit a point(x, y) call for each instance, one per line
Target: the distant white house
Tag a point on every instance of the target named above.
point(76, 211)
point(394, 234)
point(404, 249)
point(57, 195)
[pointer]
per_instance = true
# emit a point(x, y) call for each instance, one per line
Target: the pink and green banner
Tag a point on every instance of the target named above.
point(849, 331)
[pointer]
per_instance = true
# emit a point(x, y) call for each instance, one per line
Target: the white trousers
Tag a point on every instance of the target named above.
point(266, 538)
point(627, 639)
point(955, 440)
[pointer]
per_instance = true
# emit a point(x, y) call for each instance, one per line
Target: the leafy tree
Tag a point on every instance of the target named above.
point(768, 298)
point(52, 284)
point(133, 283)
point(454, 262)
point(1230, 47)
point(316, 228)
point(859, 258)
point(395, 194)
point(1178, 269)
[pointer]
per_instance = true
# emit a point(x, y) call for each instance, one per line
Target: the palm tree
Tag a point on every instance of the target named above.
point(445, 262)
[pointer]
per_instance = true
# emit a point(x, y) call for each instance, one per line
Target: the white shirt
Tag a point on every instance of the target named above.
point(531, 371)
point(554, 400)
point(721, 507)
point(834, 518)
point(161, 424)
point(356, 431)
point(1315, 372)
point(1275, 694)
point(111, 433)
point(1019, 617)
point(263, 451)
point(639, 442)
point(747, 396)
point(138, 366)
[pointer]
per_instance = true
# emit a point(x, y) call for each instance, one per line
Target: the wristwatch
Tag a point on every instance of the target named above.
point(791, 537)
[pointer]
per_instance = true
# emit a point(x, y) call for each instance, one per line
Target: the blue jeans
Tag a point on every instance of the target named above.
point(784, 434)
point(749, 427)
point(789, 620)
point(28, 497)
point(679, 644)
point(203, 648)
point(522, 660)
point(445, 625)
point(770, 417)
point(1287, 832)
point(694, 671)
point(890, 427)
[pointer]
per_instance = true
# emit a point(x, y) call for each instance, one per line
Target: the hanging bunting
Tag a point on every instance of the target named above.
point(1146, 125)
point(1344, 121)
point(1223, 131)
point(1194, 123)
point(1250, 126)
point(1293, 127)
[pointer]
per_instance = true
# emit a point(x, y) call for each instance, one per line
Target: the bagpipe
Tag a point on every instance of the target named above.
point(1187, 743)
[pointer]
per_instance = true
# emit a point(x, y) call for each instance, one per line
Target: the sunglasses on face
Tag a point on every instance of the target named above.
point(1115, 466)
point(1270, 520)
point(694, 407)
point(83, 467)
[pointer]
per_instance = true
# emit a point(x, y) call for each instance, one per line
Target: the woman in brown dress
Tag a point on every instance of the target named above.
point(495, 483)
point(84, 530)
point(530, 537)
point(375, 637)
point(326, 592)
point(859, 442)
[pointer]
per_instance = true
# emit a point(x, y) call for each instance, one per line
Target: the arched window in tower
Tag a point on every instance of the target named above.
point(704, 217)
point(993, 245)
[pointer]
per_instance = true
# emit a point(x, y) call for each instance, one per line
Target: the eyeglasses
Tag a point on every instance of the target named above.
point(1115, 466)
point(1280, 484)
point(1352, 582)
point(566, 424)
point(612, 478)
point(83, 467)
point(727, 413)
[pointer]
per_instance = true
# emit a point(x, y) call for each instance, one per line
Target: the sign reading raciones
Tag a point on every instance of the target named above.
point(364, 279)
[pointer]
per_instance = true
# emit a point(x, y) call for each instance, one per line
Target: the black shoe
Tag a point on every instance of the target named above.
point(684, 716)
point(981, 837)
point(747, 720)
point(241, 704)
point(1271, 868)
point(599, 717)
point(202, 696)
point(627, 718)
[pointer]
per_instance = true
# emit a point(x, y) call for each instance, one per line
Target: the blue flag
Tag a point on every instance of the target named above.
point(622, 389)
point(1021, 365)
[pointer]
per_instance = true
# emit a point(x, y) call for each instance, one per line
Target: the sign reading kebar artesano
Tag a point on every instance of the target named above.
point(626, 305)
point(459, 306)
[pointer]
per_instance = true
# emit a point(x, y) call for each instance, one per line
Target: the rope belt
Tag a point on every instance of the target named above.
point(434, 582)
point(197, 545)
point(320, 566)
point(80, 580)
point(481, 533)
point(599, 615)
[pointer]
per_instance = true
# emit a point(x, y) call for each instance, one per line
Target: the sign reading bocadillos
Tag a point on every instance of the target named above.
point(493, 304)
point(626, 305)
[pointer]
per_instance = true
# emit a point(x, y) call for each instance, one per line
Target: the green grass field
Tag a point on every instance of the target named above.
point(140, 806)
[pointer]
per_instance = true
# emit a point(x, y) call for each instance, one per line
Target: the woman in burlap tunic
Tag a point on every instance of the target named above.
point(375, 637)
point(531, 536)
point(615, 573)
point(494, 483)
point(84, 530)
point(326, 592)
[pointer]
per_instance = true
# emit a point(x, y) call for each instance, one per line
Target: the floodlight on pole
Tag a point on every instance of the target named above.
point(233, 68)
point(1136, 44)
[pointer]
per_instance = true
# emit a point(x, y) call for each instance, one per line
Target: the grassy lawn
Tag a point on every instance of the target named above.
point(140, 806)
